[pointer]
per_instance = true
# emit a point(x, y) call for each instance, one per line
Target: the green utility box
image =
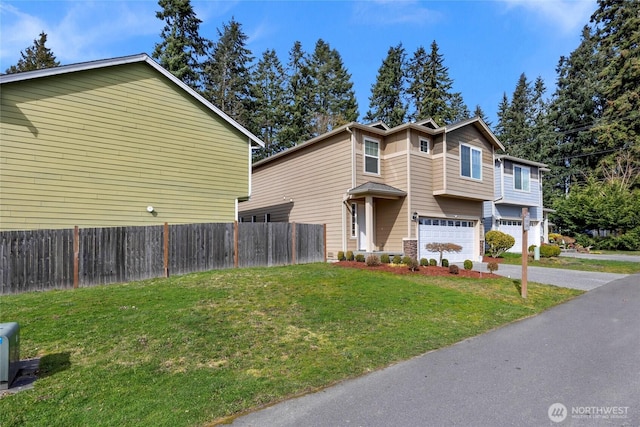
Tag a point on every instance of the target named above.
point(9, 353)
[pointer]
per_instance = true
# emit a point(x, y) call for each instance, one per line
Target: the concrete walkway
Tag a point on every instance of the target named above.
point(578, 360)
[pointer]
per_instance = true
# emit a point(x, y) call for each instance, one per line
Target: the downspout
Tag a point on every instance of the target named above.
point(409, 207)
point(345, 197)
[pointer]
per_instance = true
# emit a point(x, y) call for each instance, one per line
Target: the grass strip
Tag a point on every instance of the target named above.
point(582, 264)
point(193, 349)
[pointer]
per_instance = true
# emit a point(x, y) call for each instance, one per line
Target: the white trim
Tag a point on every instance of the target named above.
point(471, 149)
point(522, 168)
point(365, 155)
point(420, 141)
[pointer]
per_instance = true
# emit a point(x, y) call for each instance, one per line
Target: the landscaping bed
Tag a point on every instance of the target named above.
point(427, 271)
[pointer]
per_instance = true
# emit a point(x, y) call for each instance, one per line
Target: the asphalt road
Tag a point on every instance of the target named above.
point(582, 354)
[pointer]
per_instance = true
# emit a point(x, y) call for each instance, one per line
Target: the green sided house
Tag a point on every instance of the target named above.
point(116, 142)
point(384, 190)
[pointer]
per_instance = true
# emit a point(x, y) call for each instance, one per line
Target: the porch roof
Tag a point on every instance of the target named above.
point(376, 190)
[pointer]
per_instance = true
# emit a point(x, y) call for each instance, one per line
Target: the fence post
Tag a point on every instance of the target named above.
point(235, 244)
point(324, 240)
point(293, 243)
point(76, 256)
point(166, 249)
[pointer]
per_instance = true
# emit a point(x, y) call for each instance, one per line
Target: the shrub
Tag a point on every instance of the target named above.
point(532, 248)
point(350, 256)
point(360, 258)
point(548, 251)
point(384, 258)
point(555, 237)
point(424, 262)
point(443, 247)
point(492, 266)
point(397, 259)
point(468, 265)
point(373, 261)
point(453, 269)
point(498, 242)
point(445, 262)
point(433, 262)
point(341, 256)
point(406, 260)
point(412, 263)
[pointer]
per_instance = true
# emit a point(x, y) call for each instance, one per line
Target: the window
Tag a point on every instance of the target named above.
point(521, 178)
point(371, 156)
point(267, 217)
point(470, 162)
point(354, 219)
point(424, 145)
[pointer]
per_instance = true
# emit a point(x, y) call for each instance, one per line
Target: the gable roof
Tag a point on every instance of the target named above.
point(481, 126)
point(542, 166)
point(140, 58)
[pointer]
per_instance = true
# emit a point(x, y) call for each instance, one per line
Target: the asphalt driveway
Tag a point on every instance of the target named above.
point(573, 365)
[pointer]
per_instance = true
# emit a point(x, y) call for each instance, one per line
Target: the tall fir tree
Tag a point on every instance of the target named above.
point(227, 73)
point(430, 88)
point(268, 115)
point(516, 119)
point(479, 112)
point(299, 92)
point(616, 26)
point(181, 49)
point(35, 57)
point(387, 100)
point(334, 101)
point(575, 110)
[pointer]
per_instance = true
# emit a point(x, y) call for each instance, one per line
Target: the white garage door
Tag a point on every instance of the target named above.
point(514, 228)
point(461, 233)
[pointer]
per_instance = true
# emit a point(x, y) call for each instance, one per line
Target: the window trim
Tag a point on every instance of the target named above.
point(354, 220)
point(365, 156)
point(471, 150)
point(522, 169)
point(428, 144)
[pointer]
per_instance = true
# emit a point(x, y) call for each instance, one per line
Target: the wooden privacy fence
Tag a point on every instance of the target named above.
point(57, 259)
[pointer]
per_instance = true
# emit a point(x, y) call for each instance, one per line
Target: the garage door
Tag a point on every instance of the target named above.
point(514, 228)
point(461, 233)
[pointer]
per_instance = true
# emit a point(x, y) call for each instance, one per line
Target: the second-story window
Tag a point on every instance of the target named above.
point(521, 178)
point(424, 145)
point(470, 161)
point(371, 156)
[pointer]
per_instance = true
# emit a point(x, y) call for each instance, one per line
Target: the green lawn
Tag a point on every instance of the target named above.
point(196, 349)
point(569, 263)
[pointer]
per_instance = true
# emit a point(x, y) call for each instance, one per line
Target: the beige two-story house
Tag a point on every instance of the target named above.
point(383, 190)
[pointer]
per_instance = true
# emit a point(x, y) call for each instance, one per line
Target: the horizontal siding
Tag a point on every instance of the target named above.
point(306, 186)
point(526, 198)
point(96, 149)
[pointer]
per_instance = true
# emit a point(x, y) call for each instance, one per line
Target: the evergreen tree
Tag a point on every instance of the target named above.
point(478, 112)
point(575, 109)
point(300, 99)
point(182, 48)
point(516, 120)
point(503, 107)
point(386, 102)
point(227, 73)
point(35, 57)
point(269, 108)
point(430, 88)
point(617, 36)
point(334, 101)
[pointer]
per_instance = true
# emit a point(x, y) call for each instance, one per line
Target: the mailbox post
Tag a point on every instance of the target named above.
point(526, 224)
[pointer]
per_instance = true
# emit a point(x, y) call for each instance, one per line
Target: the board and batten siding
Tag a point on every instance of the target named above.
point(305, 186)
point(94, 148)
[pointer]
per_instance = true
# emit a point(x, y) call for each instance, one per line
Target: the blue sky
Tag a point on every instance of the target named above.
point(486, 44)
